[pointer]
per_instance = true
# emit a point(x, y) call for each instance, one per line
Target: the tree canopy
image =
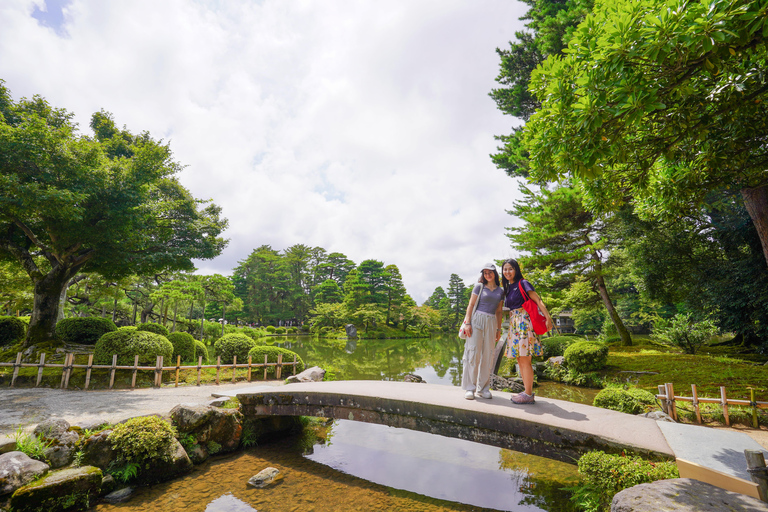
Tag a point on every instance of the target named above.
point(109, 204)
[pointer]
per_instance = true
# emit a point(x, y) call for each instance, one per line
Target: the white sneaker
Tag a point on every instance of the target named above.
point(469, 395)
point(485, 394)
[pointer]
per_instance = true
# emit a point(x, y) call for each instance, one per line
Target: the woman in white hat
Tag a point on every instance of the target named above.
point(483, 330)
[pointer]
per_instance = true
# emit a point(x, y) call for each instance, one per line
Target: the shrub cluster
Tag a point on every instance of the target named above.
point(84, 330)
point(270, 329)
point(257, 354)
point(153, 327)
point(607, 474)
point(234, 344)
point(586, 356)
point(183, 345)
point(630, 401)
point(143, 439)
point(12, 330)
point(556, 345)
point(201, 350)
point(127, 344)
point(280, 330)
point(561, 373)
point(255, 334)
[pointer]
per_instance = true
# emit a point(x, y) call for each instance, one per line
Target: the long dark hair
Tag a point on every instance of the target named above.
point(518, 274)
point(485, 281)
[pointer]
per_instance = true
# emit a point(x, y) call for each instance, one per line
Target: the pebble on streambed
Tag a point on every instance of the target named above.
point(265, 477)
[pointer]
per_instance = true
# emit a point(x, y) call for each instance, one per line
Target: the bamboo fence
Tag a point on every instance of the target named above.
point(69, 365)
point(668, 400)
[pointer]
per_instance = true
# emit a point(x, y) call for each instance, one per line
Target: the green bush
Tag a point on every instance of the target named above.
point(12, 330)
point(257, 354)
point(630, 401)
point(128, 344)
point(130, 328)
point(143, 439)
point(305, 328)
point(183, 345)
point(256, 335)
point(586, 356)
point(556, 345)
point(561, 373)
point(270, 329)
point(153, 327)
point(684, 333)
point(605, 474)
point(84, 330)
point(201, 350)
point(280, 330)
point(291, 330)
point(231, 345)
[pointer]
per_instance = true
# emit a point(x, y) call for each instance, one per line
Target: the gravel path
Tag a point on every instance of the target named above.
point(28, 407)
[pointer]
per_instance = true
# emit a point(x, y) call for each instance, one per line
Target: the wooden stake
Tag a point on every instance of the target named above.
point(178, 363)
point(724, 402)
point(16, 368)
point(199, 368)
point(671, 400)
point(754, 408)
point(234, 367)
point(756, 468)
point(68, 369)
point(663, 392)
point(265, 366)
point(40, 368)
point(293, 371)
point(218, 368)
point(279, 369)
point(135, 371)
point(112, 371)
point(695, 396)
point(249, 368)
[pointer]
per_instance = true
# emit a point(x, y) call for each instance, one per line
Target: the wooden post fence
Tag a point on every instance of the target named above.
point(668, 400)
point(68, 366)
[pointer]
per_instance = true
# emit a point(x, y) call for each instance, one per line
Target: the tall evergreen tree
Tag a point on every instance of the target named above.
point(457, 298)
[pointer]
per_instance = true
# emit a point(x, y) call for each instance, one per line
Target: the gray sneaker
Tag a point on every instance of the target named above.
point(523, 398)
point(485, 394)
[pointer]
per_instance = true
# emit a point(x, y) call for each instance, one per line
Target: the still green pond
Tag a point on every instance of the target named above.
point(360, 466)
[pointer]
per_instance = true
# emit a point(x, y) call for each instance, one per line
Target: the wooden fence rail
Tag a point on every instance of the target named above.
point(668, 400)
point(69, 365)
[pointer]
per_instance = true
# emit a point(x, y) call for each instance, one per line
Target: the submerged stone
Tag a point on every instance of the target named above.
point(265, 477)
point(119, 495)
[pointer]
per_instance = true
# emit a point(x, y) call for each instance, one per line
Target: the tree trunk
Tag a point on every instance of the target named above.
point(223, 318)
point(135, 308)
point(175, 311)
point(47, 305)
point(626, 339)
point(756, 201)
point(114, 309)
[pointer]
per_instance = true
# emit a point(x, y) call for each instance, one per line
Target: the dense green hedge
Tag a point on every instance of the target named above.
point(183, 345)
point(257, 354)
point(586, 356)
point(270, 329)
point(234, 344)
point(86, 330)
point(605, 474)
point(255, 334)
point(630, 401)
point(556, 345)
point(201, 350)
point(153, 327)
point(128, 344)
point(12, 330)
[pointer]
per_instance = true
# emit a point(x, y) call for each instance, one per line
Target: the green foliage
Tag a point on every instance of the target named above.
point(586, 356)
point(257, 353)
point(141, 440)
point(201, 350)
point(280, 330)
point(188, 441)
point(127, 344)
point(681, 332)
point(231, 345)
point(153, 327)
point(561, 373)
point(270, 329)
point(256, 335)
point(12, 330)
point(183, 345)
point(608, 474)
point(556, 345)
point(31, 445)
point(123, 471)
point(630, 401)
point(291, 330)
point(213, 447)
point(84, 330)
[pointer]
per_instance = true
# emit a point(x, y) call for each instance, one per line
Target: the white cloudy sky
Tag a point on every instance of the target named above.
point(362, 127)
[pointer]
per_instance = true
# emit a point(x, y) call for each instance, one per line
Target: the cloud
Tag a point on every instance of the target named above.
point(359, 127)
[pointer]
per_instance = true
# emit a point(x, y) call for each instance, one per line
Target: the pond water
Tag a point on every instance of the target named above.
point(360, 466)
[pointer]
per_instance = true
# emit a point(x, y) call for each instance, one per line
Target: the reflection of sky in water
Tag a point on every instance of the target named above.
point(439, 467)
point(228, 503)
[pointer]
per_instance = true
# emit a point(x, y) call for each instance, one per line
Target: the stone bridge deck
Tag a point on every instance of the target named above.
point(551, 428)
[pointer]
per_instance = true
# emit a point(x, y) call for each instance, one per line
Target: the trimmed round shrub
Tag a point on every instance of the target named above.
point(231, 345)
point(12, 330)
point(305, 328)
point(291, 330)
point(131, 328)
point(257, 354)
point(84, 330)
point(200, 350)
point(586, 356)
point(630, 401)
point(270, 329)
point(143, 439)
point(183, 345)
point(280, 330)
point(153, 327)
point(256, 335)
point(129, 344)
point(556, 345)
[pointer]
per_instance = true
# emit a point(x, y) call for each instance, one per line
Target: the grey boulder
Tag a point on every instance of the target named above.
point(683, 495)
point(265, 477)
point(17, 470)
point(314, 374)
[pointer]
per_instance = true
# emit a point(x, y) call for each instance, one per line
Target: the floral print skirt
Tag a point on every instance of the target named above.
point(521, 339)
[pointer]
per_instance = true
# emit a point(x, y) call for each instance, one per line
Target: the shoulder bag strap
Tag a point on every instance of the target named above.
point(522, 291)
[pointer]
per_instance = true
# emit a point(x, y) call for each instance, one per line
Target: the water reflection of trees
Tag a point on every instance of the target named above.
point(540, 481)
point(381, 359)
